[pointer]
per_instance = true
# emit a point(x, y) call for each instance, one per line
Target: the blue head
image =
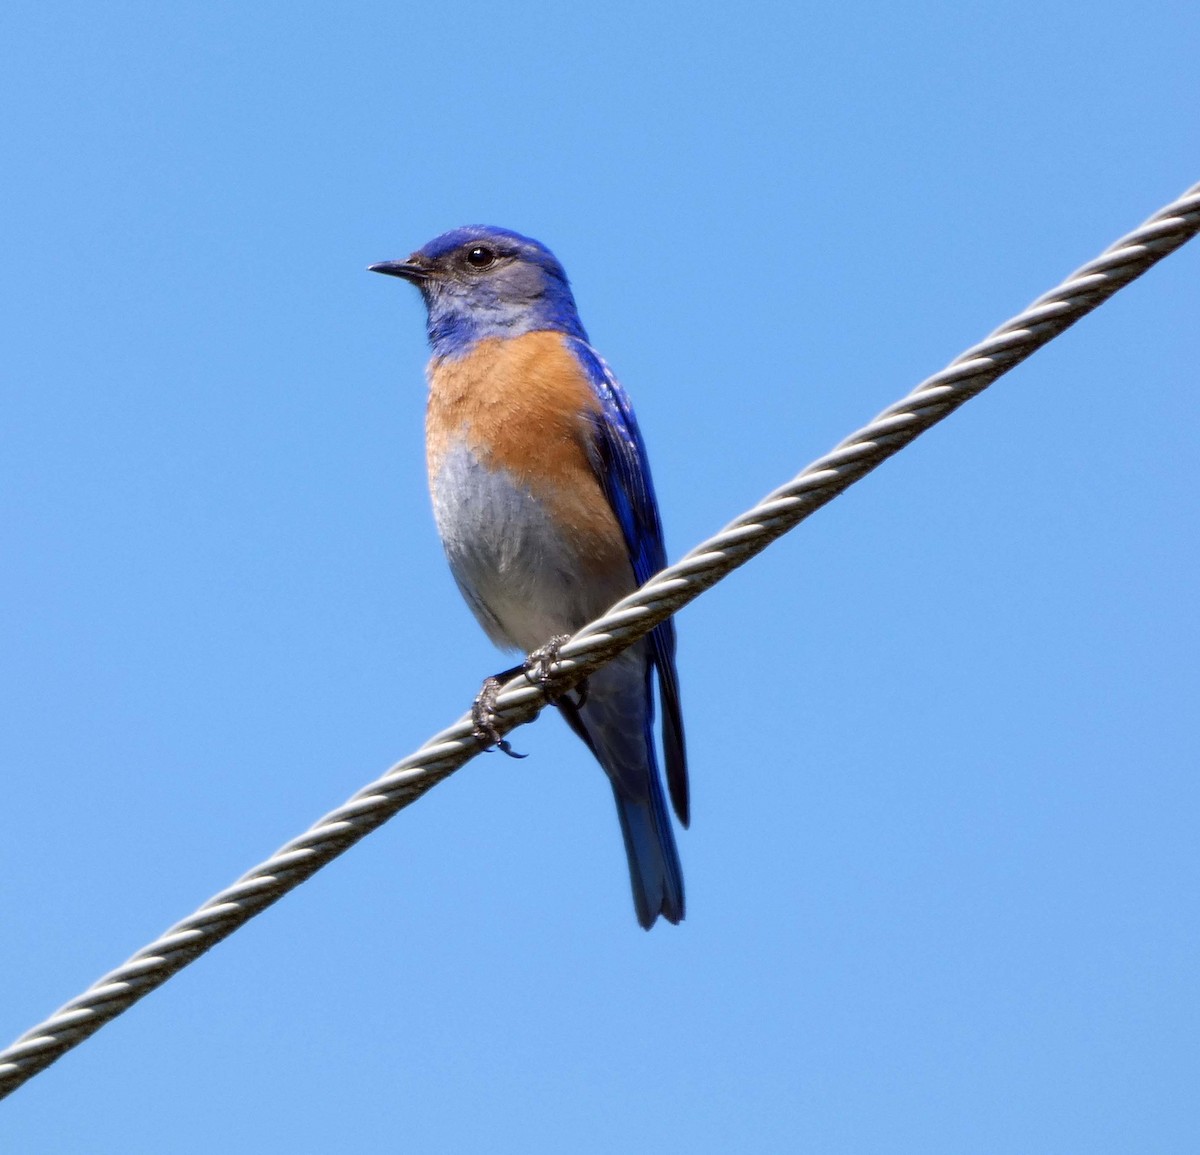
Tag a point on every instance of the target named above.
point(480, 281)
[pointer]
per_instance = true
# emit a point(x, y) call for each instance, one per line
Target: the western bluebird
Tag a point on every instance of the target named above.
point(542, 496)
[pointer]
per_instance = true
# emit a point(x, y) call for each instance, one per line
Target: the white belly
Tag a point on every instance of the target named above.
point(516, 569)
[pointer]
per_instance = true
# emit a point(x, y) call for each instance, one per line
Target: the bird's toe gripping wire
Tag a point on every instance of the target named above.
point(539, 669)
point(483, 716)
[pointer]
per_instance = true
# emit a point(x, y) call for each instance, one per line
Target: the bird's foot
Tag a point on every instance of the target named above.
point(483, 718)
point(538, 669)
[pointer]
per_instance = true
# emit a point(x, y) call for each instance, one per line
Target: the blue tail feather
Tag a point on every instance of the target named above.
point(655, 874)
point(616, 720)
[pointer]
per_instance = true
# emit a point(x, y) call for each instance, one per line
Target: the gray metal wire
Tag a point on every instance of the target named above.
point(668, 591)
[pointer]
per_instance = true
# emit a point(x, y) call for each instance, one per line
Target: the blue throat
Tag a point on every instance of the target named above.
point(459, 319)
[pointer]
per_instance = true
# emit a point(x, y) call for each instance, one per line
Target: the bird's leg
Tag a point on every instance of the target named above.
point(537, 669)
point(483, 713)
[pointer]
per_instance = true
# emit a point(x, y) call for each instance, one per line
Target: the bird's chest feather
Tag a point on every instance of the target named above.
point(529, 534)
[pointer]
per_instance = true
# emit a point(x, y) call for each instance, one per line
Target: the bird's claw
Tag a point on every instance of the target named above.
point(483, 718)
point(539, 662)
point(538, 669)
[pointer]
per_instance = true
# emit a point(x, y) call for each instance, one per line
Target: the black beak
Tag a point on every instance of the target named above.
point(409, 270)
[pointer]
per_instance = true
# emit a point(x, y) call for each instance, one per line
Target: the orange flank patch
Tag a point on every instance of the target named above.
point(523, 406)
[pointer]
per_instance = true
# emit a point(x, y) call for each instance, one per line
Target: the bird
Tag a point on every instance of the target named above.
point(546, 510)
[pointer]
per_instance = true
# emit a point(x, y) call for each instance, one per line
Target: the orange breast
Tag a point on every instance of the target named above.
point(524, 406)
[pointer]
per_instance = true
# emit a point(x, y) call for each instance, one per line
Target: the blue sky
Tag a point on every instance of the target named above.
point(943, 866)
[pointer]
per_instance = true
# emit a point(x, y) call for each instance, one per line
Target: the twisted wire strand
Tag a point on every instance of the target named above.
point(665, 593)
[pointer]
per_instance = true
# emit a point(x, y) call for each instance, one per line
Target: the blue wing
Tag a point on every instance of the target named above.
point(621, 464)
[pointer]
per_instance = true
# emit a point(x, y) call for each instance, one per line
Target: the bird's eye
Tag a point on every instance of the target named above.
point(480, 257)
